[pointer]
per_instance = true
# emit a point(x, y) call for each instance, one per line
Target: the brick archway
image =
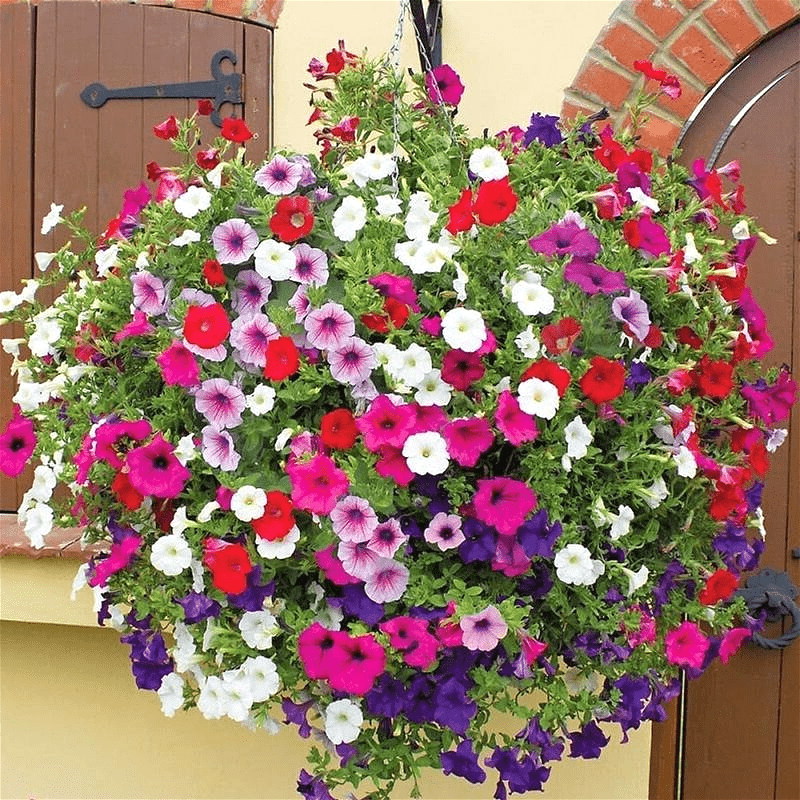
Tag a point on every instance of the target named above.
point(260, 12)
point(698, 40)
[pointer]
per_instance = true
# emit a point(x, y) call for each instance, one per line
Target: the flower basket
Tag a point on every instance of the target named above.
point(390, 440)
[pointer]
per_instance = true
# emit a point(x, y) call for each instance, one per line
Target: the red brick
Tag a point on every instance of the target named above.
point(612, 89)
point(661, 16)
point(625, 44)
point(684, 105)
point(191, 5)
point(659, 134)
point(691, 4)
point(700, 55)
point(775, 12)
point(730, 20)
point(266, 11)
point(228, 8)
point(571, 110)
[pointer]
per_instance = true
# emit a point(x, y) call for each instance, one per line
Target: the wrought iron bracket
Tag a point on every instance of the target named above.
point(428, 29)
point(773, 594)
point(226, 87)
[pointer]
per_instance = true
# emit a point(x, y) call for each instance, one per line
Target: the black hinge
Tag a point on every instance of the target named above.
point(428, 28)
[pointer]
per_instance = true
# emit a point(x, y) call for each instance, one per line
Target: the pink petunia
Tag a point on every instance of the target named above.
point(468, 439)
point(234, 241)
point(445, 531)
point(387, 537)
point(483, 631)
point(352, 362)
point(120, 556)
point(329, 326)
point(311, 265)
point(138, 326)
point(358, 559)
point(111, 439)
point(386, 423)
point(220, 402)
point(17, 443)
point(149, 294)
point(353, 519)
point(387, 582)
point(218, 449)
point(250, 335)
point(503, 503)
point(250, 293)
point(280, 176)
point(731, 642)
point(392, 464)
point(357, 663)
point(332, 567)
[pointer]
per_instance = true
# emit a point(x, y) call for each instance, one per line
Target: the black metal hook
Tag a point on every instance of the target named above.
point(428, 28)
point(772, 593)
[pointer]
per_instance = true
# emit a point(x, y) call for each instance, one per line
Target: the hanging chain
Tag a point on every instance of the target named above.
point(394, 61)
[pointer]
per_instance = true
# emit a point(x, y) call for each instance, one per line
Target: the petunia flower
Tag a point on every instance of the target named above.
point(593, 278)
point(467, 439)
point(517, 426)
point(220, 402)
point(293, 218)
point(155, 471)
point(317, 484)
point(426, 453)
point(279, 176)
point(686, 645)
point(218, 449)
point(387, 581)
point(444, 85)
point(234, 241)
point(353, 519)
point(444, 530)
point(503, 503)
point(17, 443)
point(483, 631)
point(633, 311)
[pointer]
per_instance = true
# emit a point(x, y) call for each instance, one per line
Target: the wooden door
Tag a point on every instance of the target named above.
point(738, 737)
point(54, 148)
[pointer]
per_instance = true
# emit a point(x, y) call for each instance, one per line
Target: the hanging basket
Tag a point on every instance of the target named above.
point(391, 440)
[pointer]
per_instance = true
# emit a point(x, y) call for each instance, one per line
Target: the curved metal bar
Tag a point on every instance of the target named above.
point(742, 113)
point(793, 610)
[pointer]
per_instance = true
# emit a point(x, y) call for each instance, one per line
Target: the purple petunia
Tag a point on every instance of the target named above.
point(543, 128)
point(588, 742)
point(593, 278)
point(569, 236)
point(463, 762)
point(633, 311)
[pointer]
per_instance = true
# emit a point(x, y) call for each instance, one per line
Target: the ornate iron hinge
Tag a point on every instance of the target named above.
point(226, 87)
point(772, 594)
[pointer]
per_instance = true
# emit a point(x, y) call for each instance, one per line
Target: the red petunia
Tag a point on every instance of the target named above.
point(546, 370)
point(168, 129)
point(293, 218)
point(649, 71)
point(495, 202)
point(713, 378)
point(229, 564)
point(282, 357)
point(206, 326)
point(205, 108)
point(338, 429)
point(603, 381)
point(685, 335)
point(213, 273)
point(395, 316)
point(235, 130)
point(154, 171)
point(719, 586)
point(346, 129)
point(461, 216)
point(207, 159)
point(559, 337)
point(125, 492)
point(610, 153)
point(277, 519)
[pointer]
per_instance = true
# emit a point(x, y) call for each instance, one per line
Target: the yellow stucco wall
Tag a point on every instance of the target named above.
point(73, 724)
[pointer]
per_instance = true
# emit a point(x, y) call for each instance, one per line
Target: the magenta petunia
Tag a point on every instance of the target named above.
point(112, 439)
point(356, 664)
point(121, 554)
point(593, 278)
point(17, 443)
point(178, 366)
point(444, 85)
point(220, 402)
point(317, 647)
point(567, 237)
point(503, 503)
point(138, 326)
point(731, 642)
point(686, 645)
point(393, 465)
point(332, 568)
point(234, 241)
point(154, 469)
point(468, 439)
point(317, 484)
point(398, 287)
point(386, 423)
point(517, 426)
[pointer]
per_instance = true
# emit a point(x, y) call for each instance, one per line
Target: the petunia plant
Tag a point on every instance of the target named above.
point(386, 441)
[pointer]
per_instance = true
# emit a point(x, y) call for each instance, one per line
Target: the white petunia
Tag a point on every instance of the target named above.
point(460, 284)
point(185, 651)
point(207, 510)
point(741, 231)
point(777, 437)
point(685, 462)
point(186, 238)
point(578, 437)
point(262, 676)
point(644, 200)
point(239, 697)
point(282, 438)
point(349, 218)
point(185, 450)
point(432, 390)
point(411, 365)
point(43, 260)
point(38, 523)
point(343, 719)
point(577, 681)
point(30, 396)
point(574, 565)
point(274, 260)
point(279, 548)
point(420, 218)
point(29, 290)
point(258, 628)
point(248, 503)
point(106, 260)
point(528, 343)
point(44, 481)
point(214, 176)
point(262, 400)
point(51, 218)
point(387, 205)
point(464, 329)
point(426, 453)
point(406, 252)
point(427, 258)
point(531, 297)
point(46, 333)
point(8, 302)
point(538, 398)
point(758, 522)
point(194, 200)
point(171, 554)
point(656, 494)
point(171, 694)
point(690, 252)
point(79, 581)
point(621, 523)
point(141, 261)
point(488, 164)
point(373, 166)
point(636, 579)
point(180, 521)
point(213, 699)
point(387, 355)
